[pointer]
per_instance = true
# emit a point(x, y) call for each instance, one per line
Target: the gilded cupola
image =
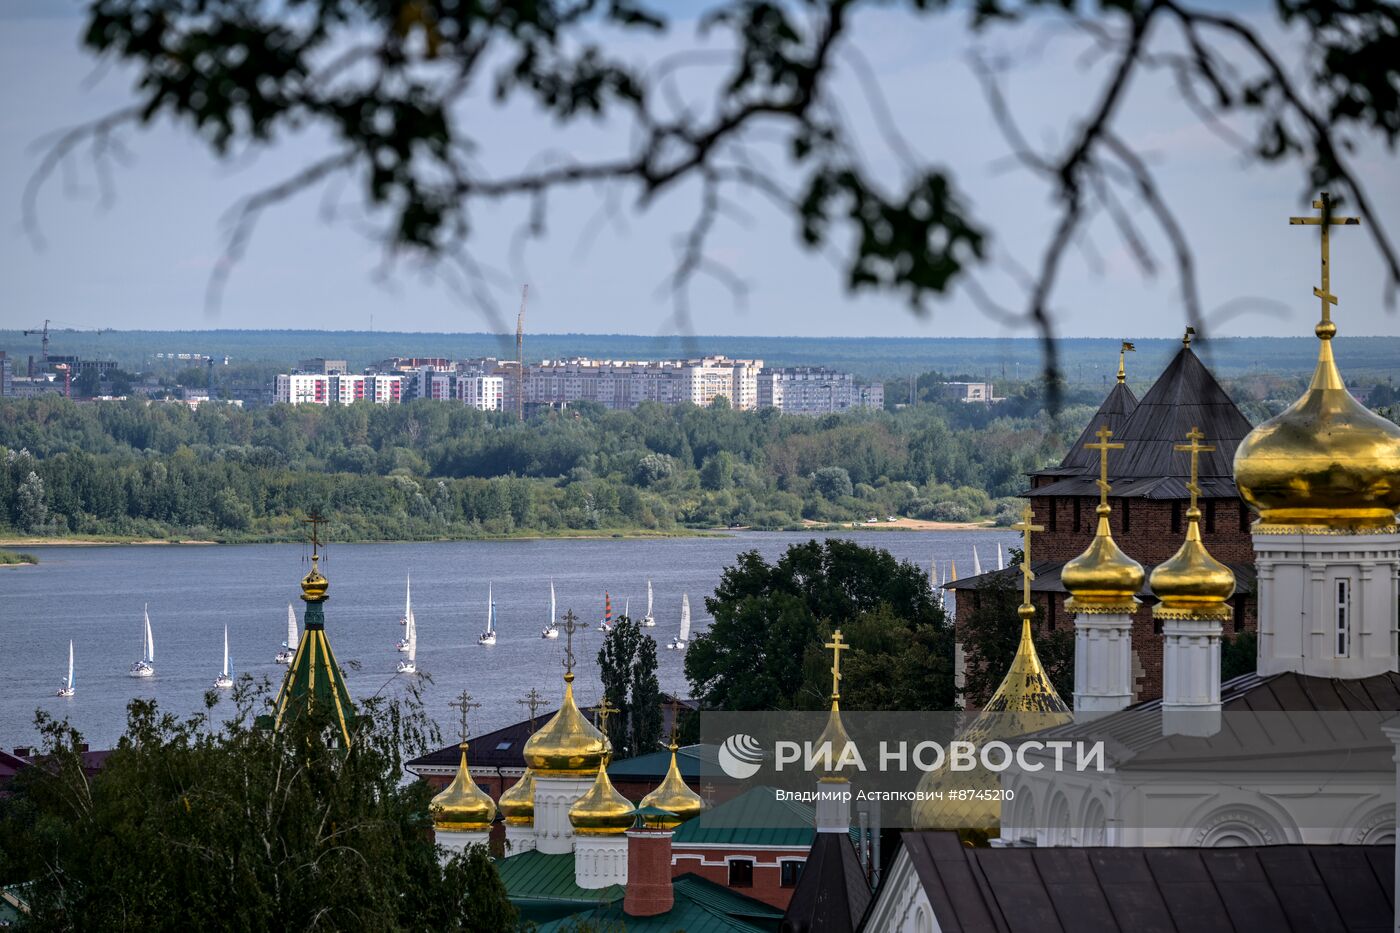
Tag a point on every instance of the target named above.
point(602, 811)
point(517, 804)
point(462, 806)
point(1326, 462)
point(568, 745)
point(1103, 579)
point(673, 796)
point(1192, 584)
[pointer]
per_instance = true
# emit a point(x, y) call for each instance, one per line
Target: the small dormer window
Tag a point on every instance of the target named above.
point(1343, 612)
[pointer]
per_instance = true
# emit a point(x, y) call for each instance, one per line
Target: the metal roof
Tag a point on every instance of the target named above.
point(1287, 888)
point(1114, 411)
point(535, 876)
point(690, 759)
point(755, 817)
point(832, 893)
point(700, 906)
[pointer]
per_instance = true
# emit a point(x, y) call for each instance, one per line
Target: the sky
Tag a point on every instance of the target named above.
point(144, 259)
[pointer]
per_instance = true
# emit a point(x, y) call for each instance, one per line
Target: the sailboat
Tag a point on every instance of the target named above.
point(289, 647)
point(680, 642)
point(409, 665)
point(67, 689)
point(648, 620)
point(146, 667)
point(551, 630)
point(225, 679)
point(407, 619)
point(1000, 565)
point(488, 637)
point(976, 564)
point(606, 624)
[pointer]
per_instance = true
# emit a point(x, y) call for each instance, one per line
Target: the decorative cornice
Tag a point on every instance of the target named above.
point(1265, 528)
point(1216, 613)
point(1094, 607)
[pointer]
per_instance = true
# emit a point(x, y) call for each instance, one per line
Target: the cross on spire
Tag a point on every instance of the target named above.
point(1324, 220)
point(1127, 347)
point(1025, 527)
point(464, 705)
point(571, 625)
point(315, 520)
point(601, 714)
point(837, 646)
point(675, 720)
point(534, 701)
point(1103, 447)
point(1196, 448)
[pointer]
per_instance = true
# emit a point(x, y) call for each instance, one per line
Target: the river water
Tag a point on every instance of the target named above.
point(94, 595)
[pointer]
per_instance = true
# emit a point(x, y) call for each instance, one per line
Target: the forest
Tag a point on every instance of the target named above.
point(428, 470)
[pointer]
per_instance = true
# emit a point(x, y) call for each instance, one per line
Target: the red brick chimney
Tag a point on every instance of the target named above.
point(648, 873)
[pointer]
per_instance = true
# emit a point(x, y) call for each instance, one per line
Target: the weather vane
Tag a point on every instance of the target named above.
point(464, 705)
point(837, 646)
point(1025, 527)
point(1127, 347)
point(1196, 448)
point(1103, 447)
point(1325, 221)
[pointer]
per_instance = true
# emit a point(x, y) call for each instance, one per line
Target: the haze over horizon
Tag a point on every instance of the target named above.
point(143, 263)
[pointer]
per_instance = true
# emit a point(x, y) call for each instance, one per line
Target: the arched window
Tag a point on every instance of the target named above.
point(1095, 824)
point(1057, 827)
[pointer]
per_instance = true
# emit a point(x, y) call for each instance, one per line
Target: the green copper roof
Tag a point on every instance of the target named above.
point(755, 817)
point(701, 907)
point(691, 759)
point(542, 886)
point(314, 680)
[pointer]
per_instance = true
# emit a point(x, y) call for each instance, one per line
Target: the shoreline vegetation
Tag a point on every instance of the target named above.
point(16, 559)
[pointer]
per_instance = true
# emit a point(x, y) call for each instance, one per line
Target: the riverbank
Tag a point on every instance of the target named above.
point(566, 533)
point(17, 559)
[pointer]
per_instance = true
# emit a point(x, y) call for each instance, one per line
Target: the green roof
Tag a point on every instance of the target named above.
point(700, 907)
point(755, 817)
point(690, 760)
point(542, 886)
point(314, 679)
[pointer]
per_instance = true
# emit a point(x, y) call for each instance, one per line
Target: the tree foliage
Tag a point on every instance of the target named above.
point(764, 648)
point(627, 668)
point(190, 825)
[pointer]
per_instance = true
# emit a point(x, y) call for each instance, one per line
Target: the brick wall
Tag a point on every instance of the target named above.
point(1148, 530)
point(712, 865)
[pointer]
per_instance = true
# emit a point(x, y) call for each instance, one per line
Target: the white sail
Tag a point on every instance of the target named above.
point(976, 563)
point(648, 599)
point(933, 574)
point(225, 650)
point(685, 617)
point(1000, 565)
point(412, 639)
point(552, 607)
point(408, 595)
point(70, 664)
point(149, 655)
point(292, 638)
point(627, 607)
point(490, 611)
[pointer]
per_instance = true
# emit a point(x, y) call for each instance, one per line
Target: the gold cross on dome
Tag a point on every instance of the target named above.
point(602, 712)
point(534, 701)
point(315, 520)
point(1325, 221)
point(837, 646)
point(1103, 447)
point(675, 720)
point(1025, 527)
point(463, 704)
point(1196, 448)
point(571, 625)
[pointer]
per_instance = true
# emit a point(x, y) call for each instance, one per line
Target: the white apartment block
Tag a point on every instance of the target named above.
point(813, 390)
point(304, 389)
point(625, 384)
point(484, 393)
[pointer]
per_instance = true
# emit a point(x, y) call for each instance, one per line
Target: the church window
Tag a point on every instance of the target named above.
point(1343, 617)
point(741, 873)
point(1244, 516)
point(792, 871)
point(1050, 612)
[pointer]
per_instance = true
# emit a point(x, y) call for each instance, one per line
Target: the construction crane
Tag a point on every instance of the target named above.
point(520, 355)
point(45, 332)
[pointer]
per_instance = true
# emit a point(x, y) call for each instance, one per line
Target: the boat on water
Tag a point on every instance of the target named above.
point(407, 619)
point(648, 620)
point(67, 688)
point(289, 647)
point(146, 667)
point(409, 665)
point(551, 630)
point(488, 637)
point(606, 623)
point(682, 640)
point(225, 679)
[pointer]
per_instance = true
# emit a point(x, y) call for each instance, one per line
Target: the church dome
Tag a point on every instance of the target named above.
point(518, 802)
point(1191, 584)
point(568, 745)
point(602, 811)
point(1103, 579)
point(462, 806)
point(673, 796)
point(1325, 462)
point(313, 585)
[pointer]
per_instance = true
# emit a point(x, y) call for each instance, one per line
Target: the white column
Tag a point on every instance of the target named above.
point(554, 834)
point(1103, 662)
point(519, 838)
point(834, 806)
point(1190, 677)
point(600, 861)
point(453, 842)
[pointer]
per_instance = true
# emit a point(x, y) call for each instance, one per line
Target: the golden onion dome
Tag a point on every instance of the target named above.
point(462, 806)
point(1103, 579)
point(313, 585)
point(1326, 462)
point(1191, 584)
point(673, 796)
point(1026, 688)
point(835, 737)
point(602, 811)
point(567, 745)
point(517, 803)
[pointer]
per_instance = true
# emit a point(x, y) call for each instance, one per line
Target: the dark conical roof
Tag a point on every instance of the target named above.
point(832, 893)
point(1114, 412)
point(1186, 395)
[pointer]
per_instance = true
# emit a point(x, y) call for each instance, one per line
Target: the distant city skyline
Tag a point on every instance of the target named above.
point(143, 262)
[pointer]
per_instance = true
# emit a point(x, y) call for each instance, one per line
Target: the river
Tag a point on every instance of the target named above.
point(94, 595)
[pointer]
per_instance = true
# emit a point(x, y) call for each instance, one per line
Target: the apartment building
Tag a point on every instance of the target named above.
point(321, 389)
point(815, 390)
point(303, 389)
point(625, 384)
point(484, 393)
